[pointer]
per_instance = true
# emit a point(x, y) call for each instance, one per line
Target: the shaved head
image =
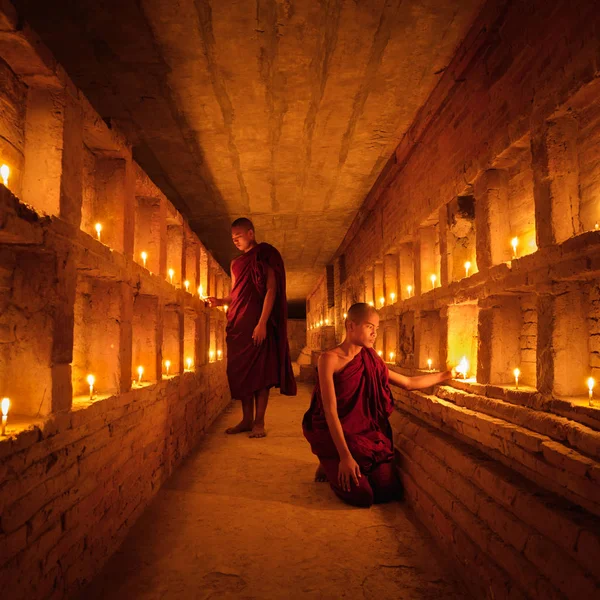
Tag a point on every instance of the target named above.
point(360, 312)
point(243, 223)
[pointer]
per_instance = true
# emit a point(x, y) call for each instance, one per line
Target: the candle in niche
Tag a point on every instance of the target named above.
point(5, 406)
point(590, 384)
point(171, 273)
point(225, 307)
point(467, 267)
point(167, 366)
point(380, 352)
point(140, 371)
point(219, 354)
point(326, 321)
point(200, 293)
point(186, 284)
point(91, 380)
point(371, 304)
point(393, 297)
point(409, 290)
point(5, 174)
point(463, 367)
point(98, 228)
point(189, 363)
point(517, 373)
point(211, 355)
point(429, 363)
point(345, 315)
point(320, 323)
point(514, 243)
point(392, 354)
point(433, 280)
point(144, 256)
point(382, 300)
point(596, 225)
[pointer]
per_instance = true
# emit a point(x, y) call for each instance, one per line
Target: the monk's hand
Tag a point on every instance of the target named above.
point(259, 335)
point(212, 301)
point(348, 472)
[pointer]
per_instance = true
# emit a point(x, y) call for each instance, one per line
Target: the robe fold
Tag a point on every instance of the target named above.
point(364, 403)
point(251, 368)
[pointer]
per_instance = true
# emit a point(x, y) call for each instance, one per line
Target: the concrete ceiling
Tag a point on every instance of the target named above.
point(281, 110)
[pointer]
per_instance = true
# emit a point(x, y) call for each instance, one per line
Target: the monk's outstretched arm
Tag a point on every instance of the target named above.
point(420, 382)
point(212, 301)
point(260, 331)
point(348, 470)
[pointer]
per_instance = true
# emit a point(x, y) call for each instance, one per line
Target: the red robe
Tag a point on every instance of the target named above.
point(364, 403)
point(251, 368)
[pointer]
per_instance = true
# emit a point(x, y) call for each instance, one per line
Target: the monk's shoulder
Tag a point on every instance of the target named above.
point(332, 359)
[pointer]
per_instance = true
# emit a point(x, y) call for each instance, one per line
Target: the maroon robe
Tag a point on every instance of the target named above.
point(251, 368)
point(364, 403)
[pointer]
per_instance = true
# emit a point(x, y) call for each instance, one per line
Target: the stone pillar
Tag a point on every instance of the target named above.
point(556, 181)
point(443, 356)
point(492, 219)
point(416, 255)
point(378, 285)
point(444, 258)
point(162, 266)
point(370, 287)
point(204, 270)
point(391, 279)
point(406, 270)
point(126, 338)
point(485, 333)
point(545, 354)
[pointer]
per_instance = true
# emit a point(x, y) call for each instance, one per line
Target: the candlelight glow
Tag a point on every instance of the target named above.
point(5, 406)
point(320, 323)
point(433, 280)
point(186, 284)
point(345, 315)
point(467, 267)
point(219, 354)
point(5, 174)
point(200, 294)
point(382, 300)
point(211, 355)
point(326, 321)
point(590, 384)
point(463, 367)
point(380, 352)
point(392, 356)
point(171, 273)
point(429, 363)
point(98, 229)
point(140, 371)
point(225, 307)
point(189, 363)
point(144, 256)
point(393, 297)
point(516, 373)
point(371, 304)
point(409, 290)
point(167, 365)
point(514, 243)
point(91, 380)
point(596, 224)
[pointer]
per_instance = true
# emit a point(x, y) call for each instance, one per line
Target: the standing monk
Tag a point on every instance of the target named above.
point(347, 423)
point(258, 355)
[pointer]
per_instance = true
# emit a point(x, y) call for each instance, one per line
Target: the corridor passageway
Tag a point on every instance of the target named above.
point(244, 519)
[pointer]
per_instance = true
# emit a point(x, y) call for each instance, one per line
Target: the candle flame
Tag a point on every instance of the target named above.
point(320, 323)
point(219, 354)
point(171, 273)
point(189, 363)
point(429, 362)
point(371, 304)
point(409, 290)
point(4, 173)
point(91, 380)
point(590, 383)
point(211, 354)
point(382, 300)
point(380, 352)
point(5, 406)
point(516, 373)
point(186, 283)
point(433, 279)
point(140, 371)
point(392, 356)
point(200, 292)
point(225, 307)
point(393, 297)
point(514, 243)
point(98, 228)
point(463, 367)
point(326, 321)
point(144, 256)
point(345, 315)
point(467, 267)
point(167, 365)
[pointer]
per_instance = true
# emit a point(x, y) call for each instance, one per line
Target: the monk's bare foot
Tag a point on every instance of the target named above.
point(258, 431)
point(320, 475)
point(239, 428)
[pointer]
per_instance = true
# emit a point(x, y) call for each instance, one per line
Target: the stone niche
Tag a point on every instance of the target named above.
point(171, 338)
point(429, 255)
point(428, 335)
point(27, 329)
point(145, 337)
point(96, 336)
point(576, 337)
point(147, 232)
point(175, 249)
point(461, 237)
point(190, 336)
point(462, 335)
point(406, 340)
point(390, 340)
point(508, 339)
point(192, 262)
point(391, 277)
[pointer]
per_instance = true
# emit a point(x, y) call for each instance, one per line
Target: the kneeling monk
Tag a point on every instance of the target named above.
point(258, 355)
point(347, 423)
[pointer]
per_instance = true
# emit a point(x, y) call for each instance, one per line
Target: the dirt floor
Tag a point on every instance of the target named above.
point(243, 518)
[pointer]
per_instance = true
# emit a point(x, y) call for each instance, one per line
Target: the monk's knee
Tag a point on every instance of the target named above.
point(360, 495)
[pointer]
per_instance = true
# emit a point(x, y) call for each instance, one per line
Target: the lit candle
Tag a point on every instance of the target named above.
point(371, 304)
point(467, 267)
point(225, 307)
point(140, 371)
point(326, 321)
point(320, 323)
point(409, 290)
point(382, 300)
point(596, 225)
point(5, 407)
point(516, 373)
point(433, 280)
point(514, 243)
point(144, 256)
point(171, 273)
point(4, 173)
point(429, 363)
point(380, 352)
point(91, 380)
point(167, 365)
point(189, 362)
point(392, 356)
point(98, 230)
point(463, 367)
point(345, 315)
point(211, 355)
point(186, 283)
point(200, 294)
point(393, 297)
point(591, 383)
point(219, 354)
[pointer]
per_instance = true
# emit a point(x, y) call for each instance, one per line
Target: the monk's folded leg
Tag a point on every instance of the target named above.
point(385, 483)
point(359, 495)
